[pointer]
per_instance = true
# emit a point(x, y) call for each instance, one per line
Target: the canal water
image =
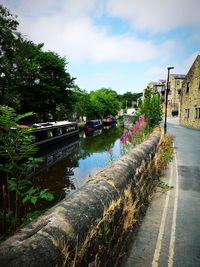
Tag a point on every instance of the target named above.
point(67, 165)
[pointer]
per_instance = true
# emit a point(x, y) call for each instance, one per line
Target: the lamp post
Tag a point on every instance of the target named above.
point(166, 98)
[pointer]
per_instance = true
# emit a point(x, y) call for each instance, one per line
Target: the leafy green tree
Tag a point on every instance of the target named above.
point(128, 98)
point(82, 102)
point(152, 110)
point(104, 102)
point(9, 38)
point(31, 79)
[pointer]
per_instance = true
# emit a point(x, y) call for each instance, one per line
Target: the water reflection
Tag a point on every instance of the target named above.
point(67, 164)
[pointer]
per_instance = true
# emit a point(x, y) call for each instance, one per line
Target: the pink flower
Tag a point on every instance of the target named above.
point(123, 138)
point(129, 133)
point(136, 126)
point(142, 118)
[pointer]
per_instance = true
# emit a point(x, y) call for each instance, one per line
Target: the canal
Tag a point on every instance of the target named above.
point(67, 164)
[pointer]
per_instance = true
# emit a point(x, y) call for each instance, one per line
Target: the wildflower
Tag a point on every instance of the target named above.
point(142, 118)
point(129, 133)
point(123, 138)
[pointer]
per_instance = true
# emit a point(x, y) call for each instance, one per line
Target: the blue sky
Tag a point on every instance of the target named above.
point(120, 44)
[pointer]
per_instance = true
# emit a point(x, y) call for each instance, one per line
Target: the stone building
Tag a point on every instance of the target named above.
point(190, 97)
point(175, 84)
point(157, 87)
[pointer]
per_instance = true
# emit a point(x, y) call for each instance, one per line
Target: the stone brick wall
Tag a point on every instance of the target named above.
point(88, 228)
point(173, 96)
point(190, 97)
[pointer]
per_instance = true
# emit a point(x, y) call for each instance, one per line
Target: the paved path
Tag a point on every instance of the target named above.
point(170, 232)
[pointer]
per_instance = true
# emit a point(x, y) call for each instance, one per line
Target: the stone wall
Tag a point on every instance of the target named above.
point(89, 227)
point(190, 97)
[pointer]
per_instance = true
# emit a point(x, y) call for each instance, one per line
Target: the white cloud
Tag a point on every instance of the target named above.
point(156, 15)
point(68, 27)
point(70, 31)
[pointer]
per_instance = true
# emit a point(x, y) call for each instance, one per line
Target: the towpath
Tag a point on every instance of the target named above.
point(170, 232)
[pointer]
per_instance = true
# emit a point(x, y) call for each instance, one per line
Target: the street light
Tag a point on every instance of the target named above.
point(166, 99)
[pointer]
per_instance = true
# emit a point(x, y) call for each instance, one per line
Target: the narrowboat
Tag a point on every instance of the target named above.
point(92, 125)
point(46, 133)
point(109, 120)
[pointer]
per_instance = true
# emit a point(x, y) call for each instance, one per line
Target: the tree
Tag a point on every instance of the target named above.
point(128, 98)
point(31, 79)
point(82, 102)
point(8, 44)
point(104, 102)
point(152, 110)
point(46, 84)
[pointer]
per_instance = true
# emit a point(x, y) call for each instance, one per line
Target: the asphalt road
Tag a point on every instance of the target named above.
point(170, 232)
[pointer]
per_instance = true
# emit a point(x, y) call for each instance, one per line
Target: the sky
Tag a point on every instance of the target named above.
point(118, 44)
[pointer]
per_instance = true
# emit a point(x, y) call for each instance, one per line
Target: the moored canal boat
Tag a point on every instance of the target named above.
point(109, 120)
point(92, 125)
point(46, 133)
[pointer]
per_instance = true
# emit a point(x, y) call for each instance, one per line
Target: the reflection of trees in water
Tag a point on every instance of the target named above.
point(56, 177)
point(101, 142)
point(70, 181)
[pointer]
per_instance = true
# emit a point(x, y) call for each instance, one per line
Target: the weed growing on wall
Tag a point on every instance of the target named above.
point(165, 154)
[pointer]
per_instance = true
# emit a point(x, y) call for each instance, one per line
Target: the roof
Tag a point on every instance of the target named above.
point(197, 59)
point(178, 76)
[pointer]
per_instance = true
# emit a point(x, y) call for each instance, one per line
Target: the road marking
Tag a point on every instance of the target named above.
point(173, 229)
point(162, 227)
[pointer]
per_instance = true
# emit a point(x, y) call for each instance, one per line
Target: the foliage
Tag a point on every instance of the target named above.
point(128, 98)
point(151, 108)
point(8, 43)
point(82, 102)
point(104, 102)
point(97, 104)
point(17, 162)
point(31, 79)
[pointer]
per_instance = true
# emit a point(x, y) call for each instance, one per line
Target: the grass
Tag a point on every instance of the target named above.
point(164, 154)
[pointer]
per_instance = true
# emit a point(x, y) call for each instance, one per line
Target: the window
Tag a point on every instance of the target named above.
point(177, 82)
point(197, 113)
point(59, 130)
point(49, 133)
point(187, 87)
point(187, 113)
